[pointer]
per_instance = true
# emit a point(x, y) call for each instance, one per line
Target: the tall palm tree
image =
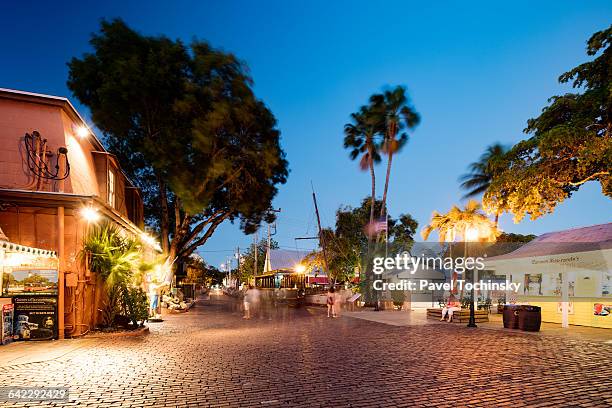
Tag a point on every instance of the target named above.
point(444, 224)
point(458, 221)
point(395, 114)
point(482, 172)
point(361, 137)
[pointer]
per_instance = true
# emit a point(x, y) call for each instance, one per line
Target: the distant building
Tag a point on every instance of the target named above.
point(285, 268)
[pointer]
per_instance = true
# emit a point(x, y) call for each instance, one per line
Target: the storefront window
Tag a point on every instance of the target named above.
point(111, 188)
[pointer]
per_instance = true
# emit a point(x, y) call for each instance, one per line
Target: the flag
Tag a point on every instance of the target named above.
point(376, 227)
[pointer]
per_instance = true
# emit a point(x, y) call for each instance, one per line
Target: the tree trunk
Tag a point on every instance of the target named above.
point(164, 217)
point(368, 295)
point(496, 218)
point(383, 208)
point(177, 237)
point(372, 197)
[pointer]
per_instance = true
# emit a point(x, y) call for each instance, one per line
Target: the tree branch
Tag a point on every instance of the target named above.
point(200, 241)
point(592, 176)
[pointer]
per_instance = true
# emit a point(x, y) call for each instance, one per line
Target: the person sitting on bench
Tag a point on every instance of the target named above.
point(451, 306)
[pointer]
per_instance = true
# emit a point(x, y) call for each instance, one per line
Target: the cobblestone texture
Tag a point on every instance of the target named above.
point(211, 357)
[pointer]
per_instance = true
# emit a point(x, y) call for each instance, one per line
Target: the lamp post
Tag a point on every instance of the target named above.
point(471, 234)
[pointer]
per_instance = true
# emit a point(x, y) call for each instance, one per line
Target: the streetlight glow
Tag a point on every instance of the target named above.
point(471, 234)
point(90, 214)
point(82, 131)
point(299, 268)
point(149, 240)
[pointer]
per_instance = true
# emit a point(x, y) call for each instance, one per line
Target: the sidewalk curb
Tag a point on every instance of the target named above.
point(142, 331)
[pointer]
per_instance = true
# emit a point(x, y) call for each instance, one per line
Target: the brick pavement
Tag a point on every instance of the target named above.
point(211, 357)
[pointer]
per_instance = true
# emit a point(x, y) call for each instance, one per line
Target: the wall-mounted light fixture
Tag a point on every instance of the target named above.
point(90, 214)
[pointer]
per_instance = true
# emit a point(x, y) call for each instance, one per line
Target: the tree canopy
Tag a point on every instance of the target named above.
point(347, 244)
point(187, 127)
point(571, 142)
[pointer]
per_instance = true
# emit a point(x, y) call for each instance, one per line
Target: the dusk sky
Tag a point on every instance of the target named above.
point(475, 72)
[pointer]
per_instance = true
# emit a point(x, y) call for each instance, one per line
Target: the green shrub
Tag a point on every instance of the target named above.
point(135, 305)
point(398, 297)
point(115, 258)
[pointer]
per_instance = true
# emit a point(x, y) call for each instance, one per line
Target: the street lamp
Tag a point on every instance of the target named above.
point(82, 131)
point(90, 214)
point(471, 234)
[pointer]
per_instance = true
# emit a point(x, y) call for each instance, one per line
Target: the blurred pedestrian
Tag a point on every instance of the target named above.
point(331, 301)
point(248, 300)
point(340, 298)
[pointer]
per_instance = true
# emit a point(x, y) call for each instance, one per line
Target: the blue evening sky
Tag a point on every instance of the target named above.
point(476, 71)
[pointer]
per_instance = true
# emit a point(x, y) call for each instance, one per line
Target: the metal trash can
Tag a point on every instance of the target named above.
point(529, 318)
point(510, 315)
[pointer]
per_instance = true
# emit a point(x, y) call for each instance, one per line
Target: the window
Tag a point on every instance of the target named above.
point(111, 188)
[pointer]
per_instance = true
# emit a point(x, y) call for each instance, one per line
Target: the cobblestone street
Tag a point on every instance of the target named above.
point(210, 356)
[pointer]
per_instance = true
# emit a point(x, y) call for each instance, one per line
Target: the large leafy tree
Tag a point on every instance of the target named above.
point(188, 128)
point(198, 271)
point(349, 228)
point(571, 142)
point(482, 172)
point(343, 259)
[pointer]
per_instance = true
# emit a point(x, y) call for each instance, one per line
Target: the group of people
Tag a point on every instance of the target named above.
point(251, 298)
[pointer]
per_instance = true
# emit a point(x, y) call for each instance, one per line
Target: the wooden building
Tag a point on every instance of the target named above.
point(54, 173)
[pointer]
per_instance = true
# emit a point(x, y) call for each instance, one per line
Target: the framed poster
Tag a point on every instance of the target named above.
point(30, 282)
point(552, 284)
point(533, 284)
point(35, 317)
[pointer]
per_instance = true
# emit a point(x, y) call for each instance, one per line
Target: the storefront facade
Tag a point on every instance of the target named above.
point(567, 273)
point(54, 172)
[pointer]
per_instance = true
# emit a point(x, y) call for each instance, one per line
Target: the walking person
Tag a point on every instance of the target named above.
point(247, 302)
point(339, 299)
point(331, 301)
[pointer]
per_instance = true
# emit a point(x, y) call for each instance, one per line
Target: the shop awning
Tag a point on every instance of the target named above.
point(11, 247)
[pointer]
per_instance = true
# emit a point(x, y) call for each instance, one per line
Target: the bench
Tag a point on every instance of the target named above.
point(352, 302)
point(461, 316)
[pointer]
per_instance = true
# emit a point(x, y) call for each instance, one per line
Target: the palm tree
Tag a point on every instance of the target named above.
point(461, 220)
point(394, 114)
point(115, 258)
point(458, 221)
point(482, 172)
point(444, 224)
point(361, 137)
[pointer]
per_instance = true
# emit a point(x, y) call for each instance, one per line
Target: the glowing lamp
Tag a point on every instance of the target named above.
point(82, 131)
point(90, 214)
point(471, 234)
point(299, 268)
